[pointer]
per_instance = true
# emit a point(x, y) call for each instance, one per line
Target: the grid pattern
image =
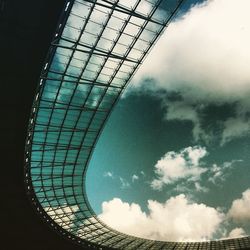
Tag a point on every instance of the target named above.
point(97, 48)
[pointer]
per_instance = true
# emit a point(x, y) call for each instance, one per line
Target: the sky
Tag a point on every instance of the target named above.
point(172, 162)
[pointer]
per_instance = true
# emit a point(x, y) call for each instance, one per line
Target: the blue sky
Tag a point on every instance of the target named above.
point(179, 137)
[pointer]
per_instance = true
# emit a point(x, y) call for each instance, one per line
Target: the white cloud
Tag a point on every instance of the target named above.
point(240, 209)
point(235, 127)
point(187, 166)
point(204, 56)
point(142, 173)
point(182, 188)
point(173, 220)
point(218, 173)
point(180, 110)
point(207, 50)
point(200, 188)
point(174, 166)
point(108, 174)
point(135, 177)
point(124, 183)
point(189, 189)
point(237, 232)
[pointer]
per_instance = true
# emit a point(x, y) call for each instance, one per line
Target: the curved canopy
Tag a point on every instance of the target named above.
point(96, 49)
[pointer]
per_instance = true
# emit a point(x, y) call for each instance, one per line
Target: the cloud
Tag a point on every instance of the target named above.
point(203, 57)
point(182, 111)
point(218, 173)
point(124, 183)
point(190, 189)
point(142, 173)
point(235, 127)
point(108, 174)
point(182, 188)
point(240, 209)
point(174, 166)
point(173, 220)
point(135, 177)
point(185, 169)
point(200, 188)
point(237, 232)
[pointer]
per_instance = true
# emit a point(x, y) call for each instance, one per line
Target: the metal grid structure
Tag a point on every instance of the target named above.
point(97, 47)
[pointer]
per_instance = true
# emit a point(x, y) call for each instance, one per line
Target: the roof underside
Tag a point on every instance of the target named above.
point(96, 49)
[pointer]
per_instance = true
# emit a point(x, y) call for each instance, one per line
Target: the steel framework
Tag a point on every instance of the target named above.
point(96, 49)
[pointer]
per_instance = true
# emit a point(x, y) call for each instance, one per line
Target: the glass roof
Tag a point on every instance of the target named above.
point(95, 51)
